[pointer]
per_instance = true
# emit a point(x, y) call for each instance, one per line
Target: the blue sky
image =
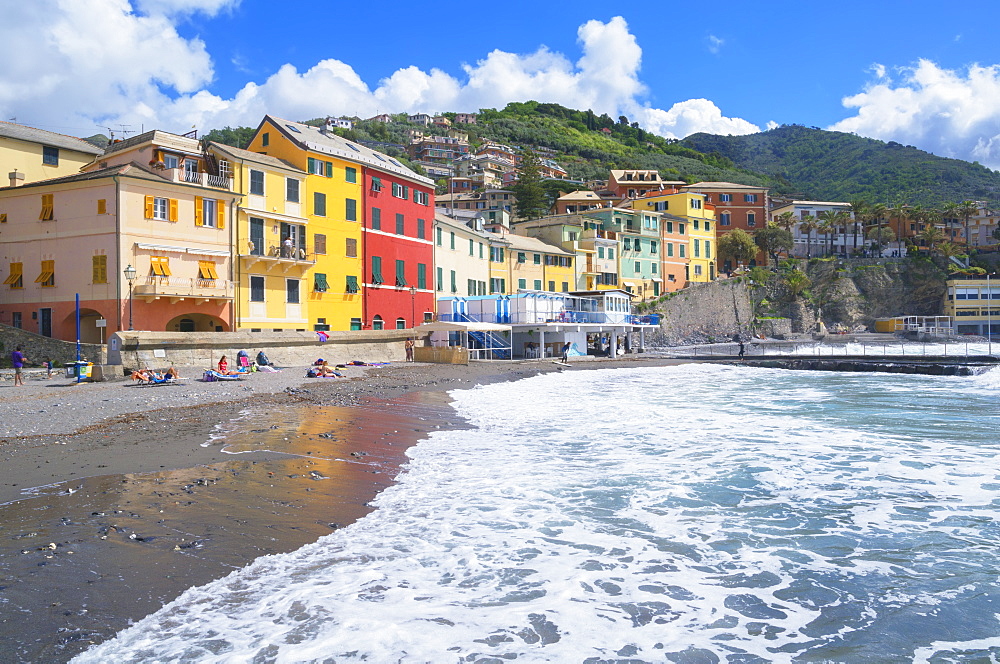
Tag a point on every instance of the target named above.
point(915, 72)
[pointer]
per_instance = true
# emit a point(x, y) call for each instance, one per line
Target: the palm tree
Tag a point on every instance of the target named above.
point(807, 224)
point(878, 212)
point(967, 210)
point(931, 236)
point(828, 226)
point(899, 212)
point(950, 215)
point(859, 209)
point(785, 220)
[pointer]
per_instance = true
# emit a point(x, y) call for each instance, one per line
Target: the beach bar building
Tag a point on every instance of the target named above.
point(537, 324)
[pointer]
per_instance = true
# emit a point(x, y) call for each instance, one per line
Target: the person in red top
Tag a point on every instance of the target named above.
point(223, 365)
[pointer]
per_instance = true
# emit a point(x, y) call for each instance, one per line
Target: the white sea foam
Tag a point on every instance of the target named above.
point(714, 511)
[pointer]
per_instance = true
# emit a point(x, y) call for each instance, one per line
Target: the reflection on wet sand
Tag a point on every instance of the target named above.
point(81, 559)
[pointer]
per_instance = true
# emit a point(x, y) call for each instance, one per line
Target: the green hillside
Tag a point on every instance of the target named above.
point(833, 166)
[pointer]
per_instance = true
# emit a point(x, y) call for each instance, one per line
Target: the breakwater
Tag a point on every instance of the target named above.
point(941, 365)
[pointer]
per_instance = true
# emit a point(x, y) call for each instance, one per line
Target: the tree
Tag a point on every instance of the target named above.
point(931, 237)
point(796, 281)
point(829, 222)
point(878, 212)
point(530, 201)
point(859, 211)
point(967, 210)
point(881, 236)
point(738, 245)
point(785, 220)
point(237, 137)
point(807, 224)
point(773, 240)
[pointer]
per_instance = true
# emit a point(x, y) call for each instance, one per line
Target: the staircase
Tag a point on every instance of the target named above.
point(488, 340)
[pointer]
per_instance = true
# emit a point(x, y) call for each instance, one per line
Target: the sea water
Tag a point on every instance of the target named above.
point(695, 513)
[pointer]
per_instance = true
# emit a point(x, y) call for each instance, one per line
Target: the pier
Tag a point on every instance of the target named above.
point(939, 365)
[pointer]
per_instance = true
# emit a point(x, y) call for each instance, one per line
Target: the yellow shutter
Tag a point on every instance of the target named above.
point(211, 269)
point(47, 208)
point(220, 214)
point(149, 207)
point(15, 275)
point(165, 266)
point(48, 270)
point(198, 212)
point(172, 214)
point(102, 206)
point(3, 218)
point(206, 270)
point(100, 270)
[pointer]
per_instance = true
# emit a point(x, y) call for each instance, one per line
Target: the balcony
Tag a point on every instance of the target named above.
point(537, 318)
point(201, 179)
point(183, 288)
point(277, 256)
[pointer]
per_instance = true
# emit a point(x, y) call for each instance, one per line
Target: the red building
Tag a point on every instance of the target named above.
point(398, 250)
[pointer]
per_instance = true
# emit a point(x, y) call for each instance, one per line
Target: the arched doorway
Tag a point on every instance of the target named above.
point(90, 333)
point(192, 322)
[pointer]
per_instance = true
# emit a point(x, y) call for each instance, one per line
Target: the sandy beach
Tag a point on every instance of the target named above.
point(115, 498)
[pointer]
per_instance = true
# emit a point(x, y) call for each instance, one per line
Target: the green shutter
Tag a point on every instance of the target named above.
point(421, 275)
point(352, 210)
point(377, 270)
point(400, 273)
point(352, 284)
point(329, 169)
point(319, 283)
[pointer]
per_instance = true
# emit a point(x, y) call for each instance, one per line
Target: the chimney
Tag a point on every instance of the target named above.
point(16, 179)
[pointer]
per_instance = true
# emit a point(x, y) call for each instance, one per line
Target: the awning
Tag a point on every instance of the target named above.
point(443, 326)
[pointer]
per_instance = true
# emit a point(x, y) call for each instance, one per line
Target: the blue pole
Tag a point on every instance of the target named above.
point(78, 337)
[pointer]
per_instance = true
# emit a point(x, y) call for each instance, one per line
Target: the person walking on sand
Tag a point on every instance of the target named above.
point(18, 359)
point(408, 345)
point(48, 368)
point(565, 353)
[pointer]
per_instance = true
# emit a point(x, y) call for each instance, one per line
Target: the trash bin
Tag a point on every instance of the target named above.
point(78, 369)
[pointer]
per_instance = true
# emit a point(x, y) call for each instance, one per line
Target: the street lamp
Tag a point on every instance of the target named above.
point(413, 305)
point(130, 278)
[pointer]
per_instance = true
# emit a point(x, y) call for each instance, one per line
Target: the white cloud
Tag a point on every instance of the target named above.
point(714, 44)
point(141, 71)
point(948, 112)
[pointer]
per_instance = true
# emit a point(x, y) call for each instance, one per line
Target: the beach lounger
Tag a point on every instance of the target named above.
point(212, 376)
point(152, 380)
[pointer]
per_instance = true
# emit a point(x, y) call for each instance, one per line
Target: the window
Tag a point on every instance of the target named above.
point(496, 254)
point(440, 279)
point(256, 236)
point(319, 167)
point(351, 209)
point(377, 270)
point(638, 267)
point(171, 161)
point(99, 270)
point(15, 319)
point(48, 208)
point(102, 206)
point(256, 289)
point(350, 247)
point(400, 323)
point(611, 253)
point(440, 236)
point(159, 266)
point(670, 226)
point(350, 174)
point(352, 284)
point(454, 282)
point(638, 244)
point(378, 323)
point(206, 271)
point(680, 229)
point(292, 190)
point(498, 285)
point(538, 284)
point(725, 198)
point(376, 219)
point(421, 226)
point(653, 268)
point(319, 204)
point(292, 291)
point(319, 283)
point(265, 139)
point(421, 275)
point(401, 273)
point(725, 219)
point(399, 191)
point(697, 270)
point(355, 323)
point(522, 284)
point(376, 185)
point(421, 197)
point(600, 253)
point(552, 286)
point(708, 226)
point(453, 239)
point(50, 155)
point(628, 244)
point(681, 249)
point(697, 248)
point(256, 182)
point(697, 224)
point(400, 224)
point(161, 209)
point(207, 212)
point(565, 286)
point(521, 257)
point(749, 198)
point(670, 249)
point(472, 247)
point(537, 259)
point(708, 249)
point(47, 277)
point(652, 247)
point(695, 204)
point(751, 219)
point(16, 277)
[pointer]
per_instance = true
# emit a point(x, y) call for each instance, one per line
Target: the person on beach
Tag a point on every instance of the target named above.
point(223, 365)
point(743, 349)
point(565, 353)
point(18, 359)
point(48, 368)
point(408, 345)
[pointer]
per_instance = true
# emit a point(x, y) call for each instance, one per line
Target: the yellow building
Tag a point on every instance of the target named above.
point(698, 227)
point(974, 305)
point(274, 259)
point(33, 154)
point(332, 207)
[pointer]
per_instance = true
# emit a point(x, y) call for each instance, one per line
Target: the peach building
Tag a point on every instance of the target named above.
point(170, 222)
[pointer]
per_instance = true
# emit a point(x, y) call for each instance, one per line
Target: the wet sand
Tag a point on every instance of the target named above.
point(125, 514)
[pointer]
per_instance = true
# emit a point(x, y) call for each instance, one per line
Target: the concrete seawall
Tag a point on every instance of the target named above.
point(930, 366)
